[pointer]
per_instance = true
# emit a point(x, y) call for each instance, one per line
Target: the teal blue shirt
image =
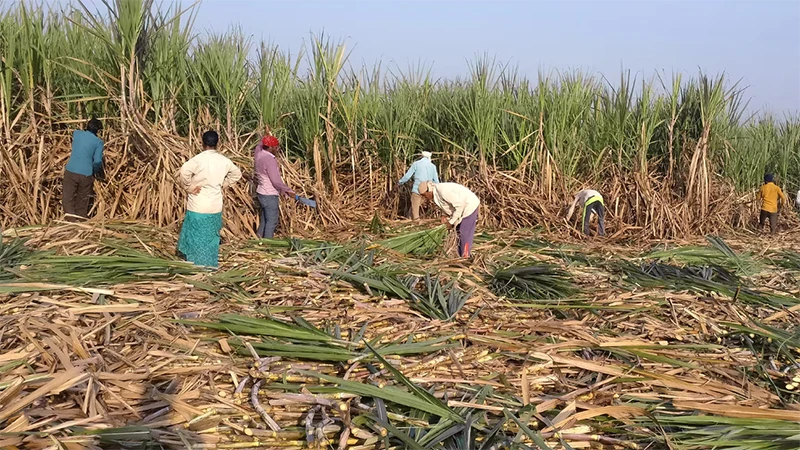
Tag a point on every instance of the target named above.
point(421, 170)
point(87, 153)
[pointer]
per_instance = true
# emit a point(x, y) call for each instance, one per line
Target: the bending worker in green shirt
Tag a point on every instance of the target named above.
point(592, 202)
point(85, 161)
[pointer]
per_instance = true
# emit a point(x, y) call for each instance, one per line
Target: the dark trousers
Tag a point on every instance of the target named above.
point(76, 191)
point(773, 221)
point(598, 208)
point(268, 216)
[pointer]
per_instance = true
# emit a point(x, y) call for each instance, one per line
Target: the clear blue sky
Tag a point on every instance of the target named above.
point(755, 41)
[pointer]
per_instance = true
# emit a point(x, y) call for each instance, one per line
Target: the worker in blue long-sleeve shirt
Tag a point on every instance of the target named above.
point(422, 170)
point(85, 161)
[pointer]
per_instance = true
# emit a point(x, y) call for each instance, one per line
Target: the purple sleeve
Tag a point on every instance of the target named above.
point(275, 175)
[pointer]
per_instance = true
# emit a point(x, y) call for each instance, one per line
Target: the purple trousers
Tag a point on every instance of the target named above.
point(466, 232)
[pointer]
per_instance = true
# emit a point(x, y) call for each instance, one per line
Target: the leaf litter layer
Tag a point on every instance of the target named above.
point(357, 343)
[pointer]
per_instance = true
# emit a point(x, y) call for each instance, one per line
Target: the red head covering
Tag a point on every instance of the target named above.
point(270, 141)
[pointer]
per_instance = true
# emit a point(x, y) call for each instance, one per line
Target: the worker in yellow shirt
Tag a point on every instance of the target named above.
point(772, 200)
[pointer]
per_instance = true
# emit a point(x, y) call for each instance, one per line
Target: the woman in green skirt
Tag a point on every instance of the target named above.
point(204, 177)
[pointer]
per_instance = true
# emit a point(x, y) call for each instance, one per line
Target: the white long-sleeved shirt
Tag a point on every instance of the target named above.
point(455, 200)
point(797, 200)
point(581, 199)
point(211, 171)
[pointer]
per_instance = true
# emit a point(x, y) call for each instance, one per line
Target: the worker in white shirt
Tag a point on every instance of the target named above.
point(460, 204)
point(797, 200)
point(592, 202)
point(203, 177)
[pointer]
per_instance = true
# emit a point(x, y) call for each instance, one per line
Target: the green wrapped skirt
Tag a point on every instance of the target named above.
point(199, 239)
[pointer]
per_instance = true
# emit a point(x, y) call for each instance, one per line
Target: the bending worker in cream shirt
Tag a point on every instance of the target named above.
point(204, 177)
point(460, 204)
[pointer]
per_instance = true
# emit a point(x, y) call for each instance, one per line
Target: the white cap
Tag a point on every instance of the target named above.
point(427, 155)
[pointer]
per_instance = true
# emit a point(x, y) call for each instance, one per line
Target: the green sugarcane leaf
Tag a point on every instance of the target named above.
point(418, 391)
point(388, 393)
point(397, 433)
point(532, 435)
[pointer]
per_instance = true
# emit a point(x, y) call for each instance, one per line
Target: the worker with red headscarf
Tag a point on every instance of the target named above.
point(270, 185)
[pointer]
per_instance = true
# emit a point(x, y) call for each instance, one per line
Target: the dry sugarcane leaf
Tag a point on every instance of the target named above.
point(618, 412)
point(60, 382)
point(742, 412)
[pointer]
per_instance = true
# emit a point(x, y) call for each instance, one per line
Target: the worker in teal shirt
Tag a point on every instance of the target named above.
point(85, 161)
point(422, 170)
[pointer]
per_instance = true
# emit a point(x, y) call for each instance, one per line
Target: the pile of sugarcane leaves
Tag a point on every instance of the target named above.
point(365, 266)
point(25, 269)
point(404, 413)
point(427, 293)
point(717, 270)
point(538, 282)
point(363, 378)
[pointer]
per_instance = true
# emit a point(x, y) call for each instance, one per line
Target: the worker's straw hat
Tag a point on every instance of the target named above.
point(427, 155)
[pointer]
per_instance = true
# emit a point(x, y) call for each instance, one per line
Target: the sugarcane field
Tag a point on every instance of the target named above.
point(210, 242)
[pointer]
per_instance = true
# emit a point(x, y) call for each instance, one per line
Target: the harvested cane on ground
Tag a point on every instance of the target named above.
point(535, 282)
point(418, 243)
point(209, 358)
